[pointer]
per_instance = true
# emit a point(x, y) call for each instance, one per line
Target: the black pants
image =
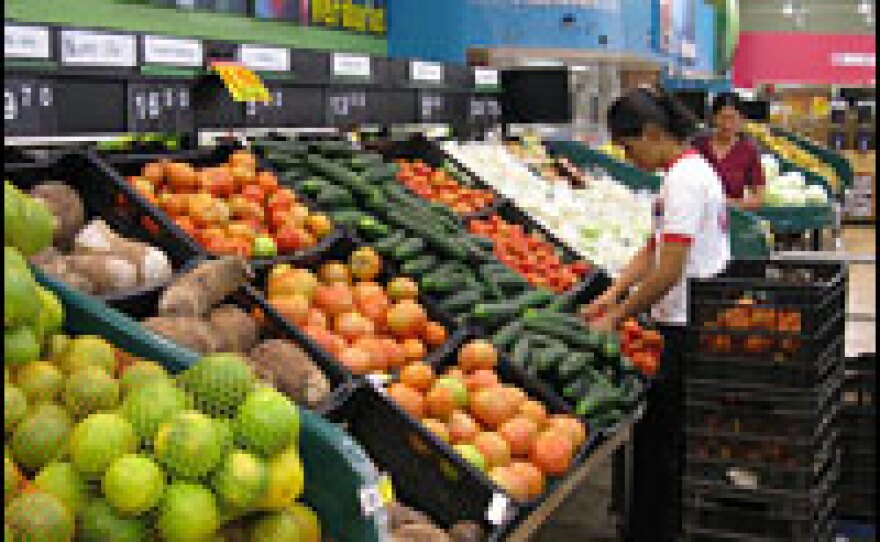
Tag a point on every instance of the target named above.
point(658, 443)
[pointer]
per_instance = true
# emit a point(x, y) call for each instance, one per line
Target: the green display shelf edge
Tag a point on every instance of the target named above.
point(117, 15)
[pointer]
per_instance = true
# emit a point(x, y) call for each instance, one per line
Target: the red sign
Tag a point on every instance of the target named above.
point(803, 58)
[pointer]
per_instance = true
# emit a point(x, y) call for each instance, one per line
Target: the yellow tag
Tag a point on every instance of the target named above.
point(386, 490)
point(243, 84)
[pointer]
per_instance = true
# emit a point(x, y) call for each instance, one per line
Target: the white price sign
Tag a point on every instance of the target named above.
point(431, 72)
point(26, 42)
point(260, 58)
point(172, 51)
point(860, 60)
point(486, 77)
point(88, 48)
point(348, 65)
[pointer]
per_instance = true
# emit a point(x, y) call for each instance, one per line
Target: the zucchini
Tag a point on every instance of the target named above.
point(312, 186)
point(409, 249)
point(492, 313)
point(418, 266)
point(372, 229)
point(547, 359)
point(443, 283)
point(521, 351)
point(347, 217)
point(576, 363)
point(441, 242)
point(576, 339)
point(460, 302)
point(385, 246)
point(334, 197)
point(379, 173)
point(332, 148)
point(576, 389)
point(504, 337)
point(365, 161)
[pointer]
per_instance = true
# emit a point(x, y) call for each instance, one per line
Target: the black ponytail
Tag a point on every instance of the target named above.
point(629, 114)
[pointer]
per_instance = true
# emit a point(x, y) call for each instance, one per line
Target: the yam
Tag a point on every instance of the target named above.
point(204, 287)
point(466, 531)
point(400, 515)
point(235, 330)
point(55, 265)
point(152, 265)
point(108, 274)
point(419, 532)
point(67, 207)
point(287, 367)
point(193, 333)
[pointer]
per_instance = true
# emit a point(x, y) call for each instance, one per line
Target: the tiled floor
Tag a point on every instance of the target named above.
point(584, 516)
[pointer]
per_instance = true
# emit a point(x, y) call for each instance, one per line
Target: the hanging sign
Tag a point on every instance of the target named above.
point(349, 65)
point(172, 51)
point(428, 72)
point(88, 48)
point(243, 84)
point(26, 42)
point(486, 79)
point(262, 58)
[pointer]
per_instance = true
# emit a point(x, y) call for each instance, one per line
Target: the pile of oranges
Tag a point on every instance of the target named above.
point(368, 327)
point(495, 426)
point(232, 208)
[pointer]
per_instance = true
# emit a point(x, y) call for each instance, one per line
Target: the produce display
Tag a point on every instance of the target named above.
point(424, 241)
point(774, 330)
point(440, 185)
point(233, 208)
point(791, 152)
point(789, 189)
point(492, 425)
point(406, 524)
point(587, 369)
point(367, 326)
point(530, 255)
point(605, 222)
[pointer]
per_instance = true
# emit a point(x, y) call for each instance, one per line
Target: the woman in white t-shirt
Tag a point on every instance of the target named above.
point(690, 240)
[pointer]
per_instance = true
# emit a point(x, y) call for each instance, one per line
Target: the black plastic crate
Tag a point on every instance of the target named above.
point(775, 322)
point(426, 472)
point(101, 193)
point(124, 165)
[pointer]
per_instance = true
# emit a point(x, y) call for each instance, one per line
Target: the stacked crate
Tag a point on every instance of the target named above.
point(763, 398)
point(858, 489)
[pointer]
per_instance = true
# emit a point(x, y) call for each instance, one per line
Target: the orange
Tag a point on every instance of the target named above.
point(293, 308)
point(376, 350)
point(462, 428)
point(402, 288)
point(481, 378)
point(533, 410)
point(406, 319)
point(490, 407)
point(440, 402)
point(408, 399)
point(552, 452)
point(437, 428)
point(418, 376)
point(519, 434)
point(393, 353)
point(319, 225)
point(414, 350)
point(570, 426)
point(334, 272)
point(352, 326)
point(478, 354)
point(357, 360)
point(434, 334)
point(533, 477)
point(511, 482)
point(495, 449)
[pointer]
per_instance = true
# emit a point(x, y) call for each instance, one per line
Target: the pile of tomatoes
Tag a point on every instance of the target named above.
point(776, 330)
point(438, 185)
point(495, 426)
point(232, 208)
point(529, 254)
point(644, 347)
point(368, 327)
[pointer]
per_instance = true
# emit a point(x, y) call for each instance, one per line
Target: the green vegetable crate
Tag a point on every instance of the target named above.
point(337, 471)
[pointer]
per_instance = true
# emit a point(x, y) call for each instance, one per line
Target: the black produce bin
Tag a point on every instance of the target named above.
point(426, 472)
point(108, 197)
point(858, 489)
point(124, 165)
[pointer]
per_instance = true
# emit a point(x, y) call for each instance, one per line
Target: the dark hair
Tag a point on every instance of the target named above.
point(727, 99)
point(629, 114)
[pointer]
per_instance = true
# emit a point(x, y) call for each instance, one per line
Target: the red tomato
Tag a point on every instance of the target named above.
point(254, 193)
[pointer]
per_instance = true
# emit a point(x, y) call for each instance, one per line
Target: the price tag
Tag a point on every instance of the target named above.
point(486, 78)
point(378, 381)
point(499, 509)
point(349, 65)
point(87, 48)
point(371, 500)
point(432, 107)
point(28, 108)
point(261, 58)
point(26, 42)
point(429, 72)
point(173, 51)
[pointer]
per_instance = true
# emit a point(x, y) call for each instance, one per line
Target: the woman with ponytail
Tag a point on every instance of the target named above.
point(690, 239)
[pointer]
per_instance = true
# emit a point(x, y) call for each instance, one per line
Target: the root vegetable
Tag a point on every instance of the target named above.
point(152, 265)
point(67, 207)
point(287, 367)
point(420, 533)
point(466, 532)
point(193, 333)
point(108, 274)
point(235, 330)
point(204, 287)
point(400, 515)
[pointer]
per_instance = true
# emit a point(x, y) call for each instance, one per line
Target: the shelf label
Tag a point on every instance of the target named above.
point(499, 509)
point(349, 65)
point(173, 51)
point(431, 72)
point(261, 58)
point(243, 84)
point(26, 42)
point(486, 78)
point(87, 48)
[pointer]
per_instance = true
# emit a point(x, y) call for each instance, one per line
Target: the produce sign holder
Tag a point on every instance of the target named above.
point(102, 199)
point(427, 472)
point(858, 492)
point(124, 165)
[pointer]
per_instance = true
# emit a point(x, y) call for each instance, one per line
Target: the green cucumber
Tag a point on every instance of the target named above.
point(504, 337)
point(347, 217)
point(379, 173)
point(313, 186)
point(418, 266)
point(385, 246)
point(460, 302)
point(575, 364)
point(548, 359)
point(521, 352)
point(409, 249)
point(372, 229)
point(334, 197)
point(444, 283)
point(576, 389)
